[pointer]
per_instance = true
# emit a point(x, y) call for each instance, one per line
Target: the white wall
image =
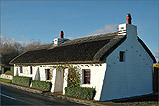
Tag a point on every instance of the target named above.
point(39, 73)
point(6, 76)
point(25, 72)
point(57, 82)
point(133, 77)
point(58, 85)
point(96, 79)
point(65, 80)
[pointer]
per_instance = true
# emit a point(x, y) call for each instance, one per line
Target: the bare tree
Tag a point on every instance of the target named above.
point(10, 49)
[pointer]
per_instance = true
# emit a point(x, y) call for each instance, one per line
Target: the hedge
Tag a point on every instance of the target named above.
point(5, 80)
point(80, 92)
point(20, 80)
point(42, 85)
point(12, 70)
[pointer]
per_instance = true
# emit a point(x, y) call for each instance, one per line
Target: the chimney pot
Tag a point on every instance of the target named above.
point(128, 19)
point(61, 34)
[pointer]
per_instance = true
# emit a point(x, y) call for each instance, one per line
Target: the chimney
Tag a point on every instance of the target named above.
point(128, 28)
point(128, 19)
point(58, 41)
point(61, 34)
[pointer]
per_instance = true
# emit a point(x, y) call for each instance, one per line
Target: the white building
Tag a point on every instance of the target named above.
point(117, 65)
point(0, 61)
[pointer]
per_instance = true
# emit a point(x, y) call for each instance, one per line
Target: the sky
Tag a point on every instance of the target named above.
point(41, 21)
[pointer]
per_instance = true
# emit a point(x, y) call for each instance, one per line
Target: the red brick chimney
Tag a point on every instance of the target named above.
point(61, 34)
point(128, 19)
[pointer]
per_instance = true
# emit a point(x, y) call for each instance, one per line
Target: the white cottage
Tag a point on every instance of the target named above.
point(0, 61)
point(117, 65)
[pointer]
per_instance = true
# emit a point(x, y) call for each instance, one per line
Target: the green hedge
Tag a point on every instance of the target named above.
point(80, 92)
point(42, 85)
point(5, 80)
point(20, 80)
point(12, 70)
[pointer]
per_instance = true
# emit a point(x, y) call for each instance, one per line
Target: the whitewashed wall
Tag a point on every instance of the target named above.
point(57, 81)
point(39, 73)
point(133, 77)
point(6, 76)
point(96, 79)
point(58, 85)
point(25, 71)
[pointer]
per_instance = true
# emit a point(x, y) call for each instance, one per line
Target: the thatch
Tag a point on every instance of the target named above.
point(93, 49)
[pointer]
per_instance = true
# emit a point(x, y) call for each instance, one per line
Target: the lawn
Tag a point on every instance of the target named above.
point(5, 80)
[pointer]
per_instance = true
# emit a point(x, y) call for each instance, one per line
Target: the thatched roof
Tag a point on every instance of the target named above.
point(91, 49)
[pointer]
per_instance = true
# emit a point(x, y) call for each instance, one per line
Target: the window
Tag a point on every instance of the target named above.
point(122, 56)
point(31, 70)
point(21, 69)
point(48, 74)
point(86, 76)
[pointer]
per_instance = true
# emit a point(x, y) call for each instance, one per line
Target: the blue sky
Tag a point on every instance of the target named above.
point(42, 21)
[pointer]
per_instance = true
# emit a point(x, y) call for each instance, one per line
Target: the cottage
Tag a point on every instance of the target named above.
point(0, 62)
point(117, 65)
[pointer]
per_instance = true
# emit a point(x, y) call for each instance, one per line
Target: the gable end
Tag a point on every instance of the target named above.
point(147, 50)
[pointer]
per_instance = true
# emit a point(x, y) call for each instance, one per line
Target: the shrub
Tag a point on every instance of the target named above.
point(12, 71)
point(7, 73)
point(80, 92)
point(73, 79)
point(42, 85)
point(20, 80)
point(5, 80)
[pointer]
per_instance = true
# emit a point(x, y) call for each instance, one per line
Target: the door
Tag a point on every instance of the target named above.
point(48, 74)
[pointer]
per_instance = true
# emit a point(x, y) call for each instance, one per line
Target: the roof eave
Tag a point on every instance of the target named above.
point(56, 63)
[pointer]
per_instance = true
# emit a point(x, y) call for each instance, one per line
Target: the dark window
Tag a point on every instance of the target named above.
point(31, 70)
point(21, 69)
point(122, 56)
point(87, 76)
point(48, 74)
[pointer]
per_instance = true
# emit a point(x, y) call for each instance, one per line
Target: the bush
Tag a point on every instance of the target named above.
point(42, 85)
point(5, 80)
point(80, 92)
point(20, 80)
point(7, 73)
point(12, 70)
point(73, 79)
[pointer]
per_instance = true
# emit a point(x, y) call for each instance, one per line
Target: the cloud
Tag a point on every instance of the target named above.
point(25, 43)
point(108, 28)
point(11, 41)
point(71, 37)
point(156, 54)
point(1, 36)
point(149, 41)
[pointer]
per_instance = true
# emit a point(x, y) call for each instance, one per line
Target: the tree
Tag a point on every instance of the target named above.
point(9, 49)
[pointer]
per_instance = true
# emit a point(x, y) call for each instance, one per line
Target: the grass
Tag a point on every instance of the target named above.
point(5, 80)
point(145, 100)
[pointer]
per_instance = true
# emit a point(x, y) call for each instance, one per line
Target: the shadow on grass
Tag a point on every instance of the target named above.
point(150, 97)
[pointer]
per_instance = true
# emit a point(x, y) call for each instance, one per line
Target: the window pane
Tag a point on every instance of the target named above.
point(86, 76)
point(21, 69)
point(48, 74)
point(31, 70)
point(122, 56)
